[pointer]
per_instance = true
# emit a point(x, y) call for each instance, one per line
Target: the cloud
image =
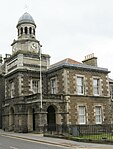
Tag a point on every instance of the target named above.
point(65, 28)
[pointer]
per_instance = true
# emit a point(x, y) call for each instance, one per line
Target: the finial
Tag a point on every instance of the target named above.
point(26, 6)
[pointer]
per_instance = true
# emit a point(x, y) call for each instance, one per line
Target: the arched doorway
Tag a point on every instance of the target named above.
point(11, 119)
point(51, 118)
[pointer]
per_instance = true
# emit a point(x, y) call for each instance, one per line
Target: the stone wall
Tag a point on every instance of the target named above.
point(66, 85)
point(2, 96)
point(89, 103)
point(111, 100)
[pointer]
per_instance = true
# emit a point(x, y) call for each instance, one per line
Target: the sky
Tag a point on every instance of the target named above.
point(65, 28)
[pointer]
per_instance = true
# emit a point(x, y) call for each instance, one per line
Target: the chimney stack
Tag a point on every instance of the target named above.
point(90, 60)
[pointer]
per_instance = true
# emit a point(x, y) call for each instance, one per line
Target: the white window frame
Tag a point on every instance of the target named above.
point(98, 114)
point(96, 86)
point(82, 114)
point(35, 85)
point(80, 85)
point(53, 85)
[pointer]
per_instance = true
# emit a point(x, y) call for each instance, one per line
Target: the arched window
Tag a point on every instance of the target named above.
point(30, 30)
point(26, 30)
point(34, 31)
point(21, 30)
point(18, 32)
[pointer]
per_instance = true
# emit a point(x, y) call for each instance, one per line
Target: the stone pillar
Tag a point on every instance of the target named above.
point(5, 123)
point(30, 121)
point(58, 118)
point(67, 109)
point(23, 121)
point(41, 120)
point(11, 119)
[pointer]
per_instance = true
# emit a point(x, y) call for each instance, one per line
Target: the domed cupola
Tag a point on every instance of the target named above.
point(26, 35)
point(26, 18)
point(26, 26)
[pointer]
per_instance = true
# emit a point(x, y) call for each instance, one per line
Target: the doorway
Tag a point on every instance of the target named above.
point(51, 118)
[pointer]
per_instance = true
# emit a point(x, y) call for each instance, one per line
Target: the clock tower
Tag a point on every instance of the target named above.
point(26, 40)
point(26, 49)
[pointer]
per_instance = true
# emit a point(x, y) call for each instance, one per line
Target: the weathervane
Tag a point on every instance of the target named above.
point(26, 6)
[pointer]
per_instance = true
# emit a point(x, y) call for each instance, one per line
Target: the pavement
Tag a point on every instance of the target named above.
point(55, 141)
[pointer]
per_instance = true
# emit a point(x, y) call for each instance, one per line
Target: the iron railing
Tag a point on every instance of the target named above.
point(90, 132)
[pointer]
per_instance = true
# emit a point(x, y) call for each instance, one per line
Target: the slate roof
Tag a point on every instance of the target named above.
point(76, 65)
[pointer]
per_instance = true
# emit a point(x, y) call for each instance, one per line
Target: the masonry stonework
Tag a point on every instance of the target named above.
point(38, 94)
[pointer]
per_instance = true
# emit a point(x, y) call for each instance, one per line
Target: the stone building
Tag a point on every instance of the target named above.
point(38, 94)
point(111, 95)
point(2, 88)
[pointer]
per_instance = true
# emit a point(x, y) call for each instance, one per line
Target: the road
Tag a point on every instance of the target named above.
point(14, 143)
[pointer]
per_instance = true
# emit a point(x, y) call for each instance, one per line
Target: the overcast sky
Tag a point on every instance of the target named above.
point(65, 28)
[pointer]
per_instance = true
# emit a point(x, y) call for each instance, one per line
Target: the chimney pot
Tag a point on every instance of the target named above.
point(90, 60)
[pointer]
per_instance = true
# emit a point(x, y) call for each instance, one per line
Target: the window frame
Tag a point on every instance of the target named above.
point(96, 88)
point(98, 116)
point(35, 89)
point(80, 87)
point(53, 89)
point(82, 116)
point(12, 89)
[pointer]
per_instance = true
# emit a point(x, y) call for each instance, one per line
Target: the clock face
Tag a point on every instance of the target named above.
point(34, 46)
